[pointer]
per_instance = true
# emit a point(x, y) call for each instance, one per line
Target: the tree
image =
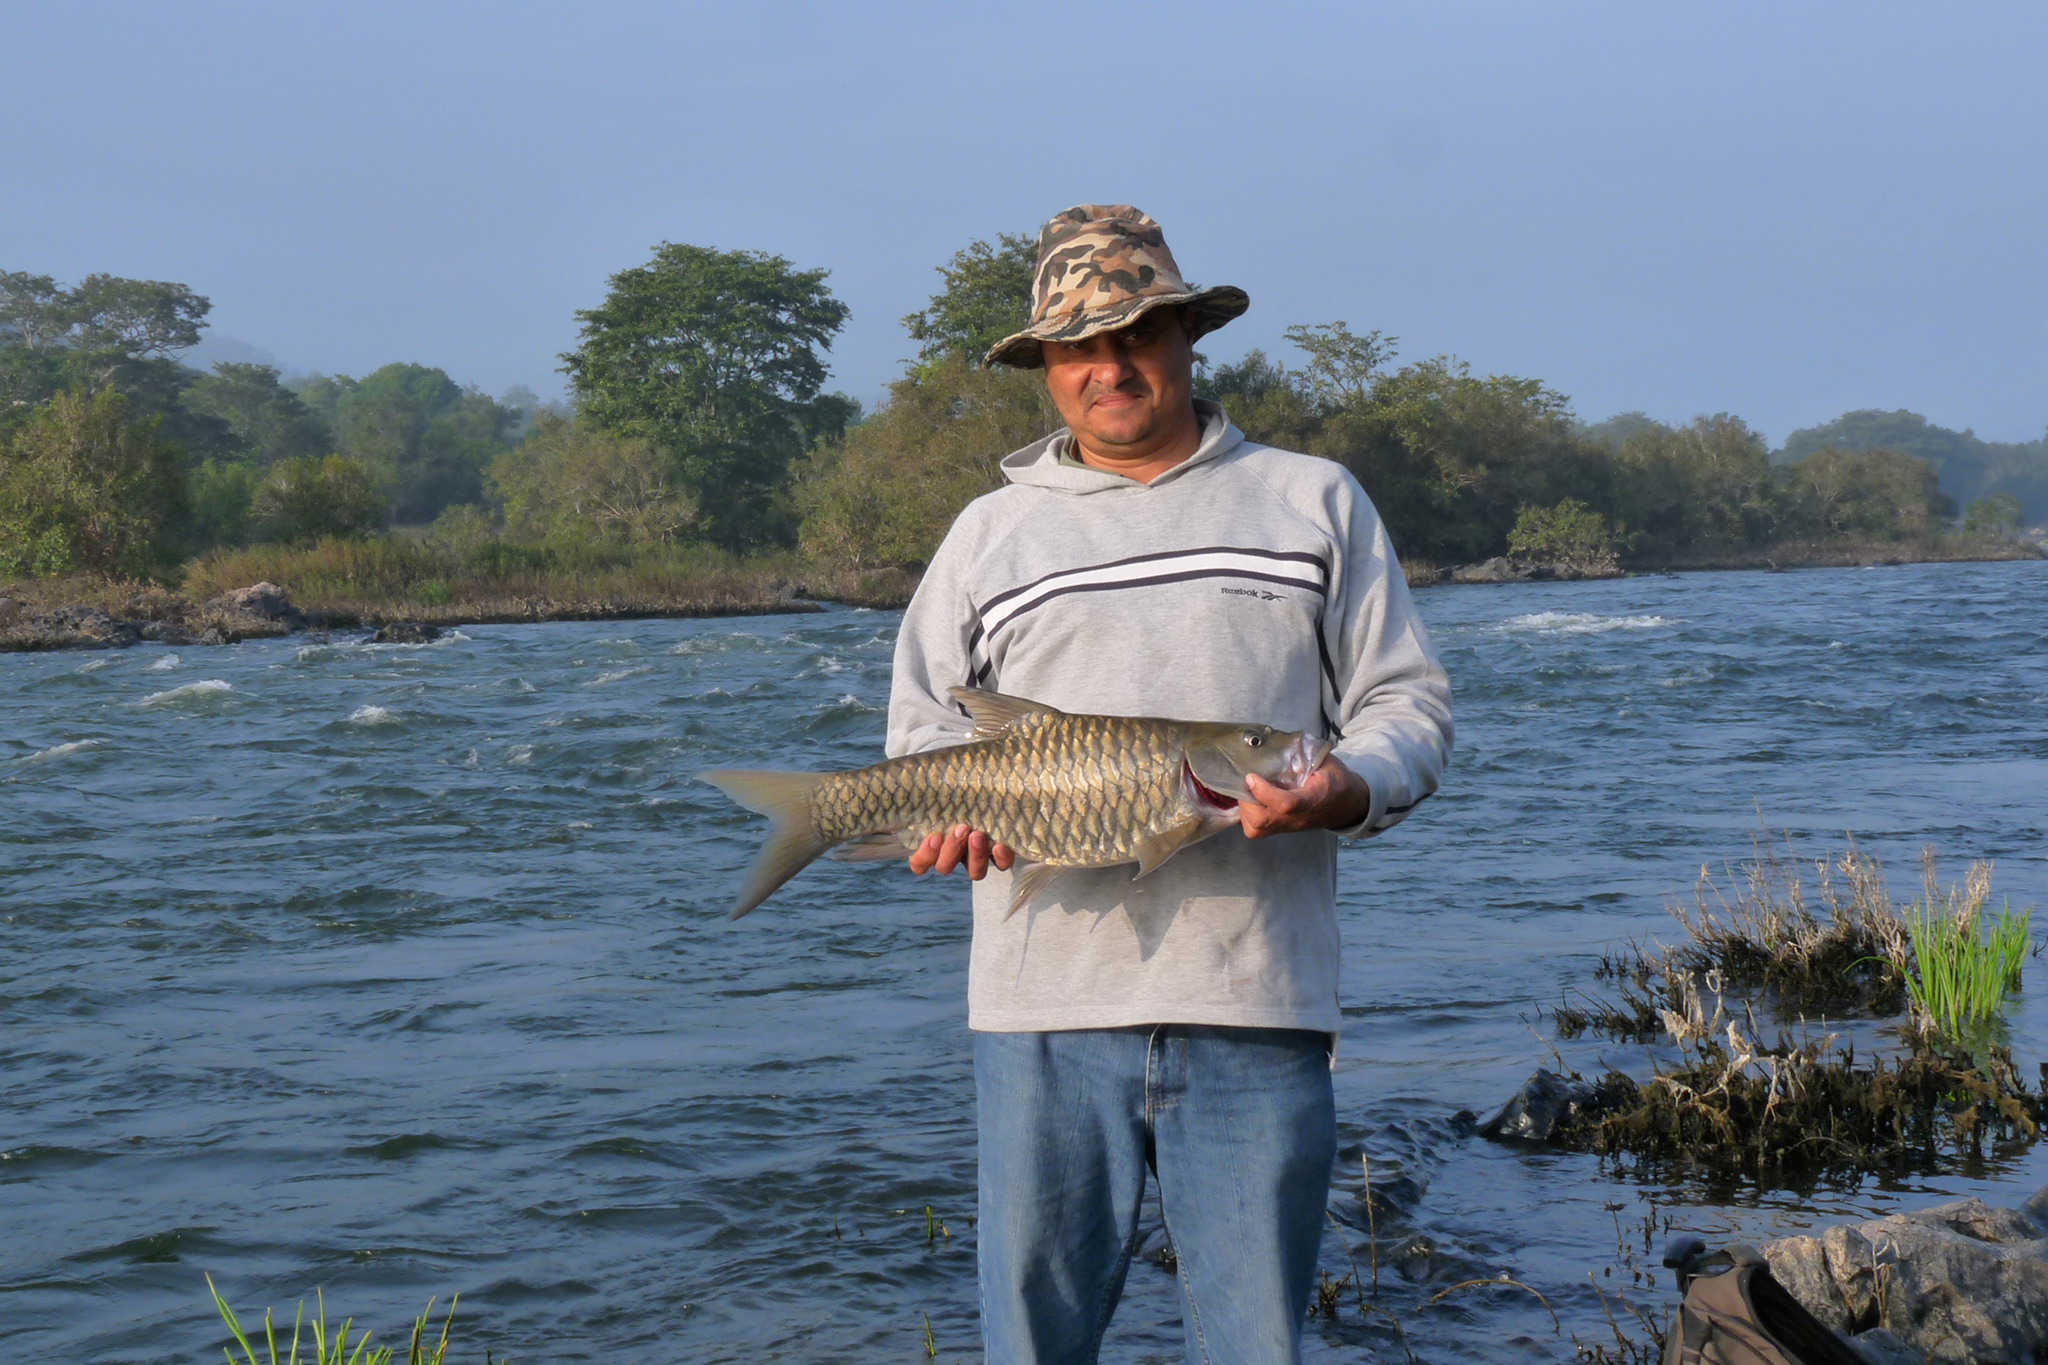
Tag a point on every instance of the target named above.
point(428, 440)
point(308, 499)
point(886, 496)
point(573, 484)
point(1341, 364)
point(1707, 484)
point(267, 420)
point(714, 357)
point(987, 297)
point(1997, 515)
point(83, 488)
point(1570, 534)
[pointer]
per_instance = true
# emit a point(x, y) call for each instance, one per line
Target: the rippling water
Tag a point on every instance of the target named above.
point(403, 970)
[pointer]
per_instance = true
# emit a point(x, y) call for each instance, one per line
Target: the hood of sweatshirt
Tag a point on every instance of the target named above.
point(1038, 465)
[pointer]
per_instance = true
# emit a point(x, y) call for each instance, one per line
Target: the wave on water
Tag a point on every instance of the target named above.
point(718, 644)
point(162, 664)
point(618, 675)
point(1580, 623)
point(76, 746)
point(847, 714)
point(205, 690)
point(94, 665)
point(372, 715)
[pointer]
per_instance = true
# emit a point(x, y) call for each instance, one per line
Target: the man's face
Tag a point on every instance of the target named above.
point(1127, 395)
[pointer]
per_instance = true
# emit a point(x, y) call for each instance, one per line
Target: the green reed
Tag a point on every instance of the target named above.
point(338, 1351)
point(1963, 965)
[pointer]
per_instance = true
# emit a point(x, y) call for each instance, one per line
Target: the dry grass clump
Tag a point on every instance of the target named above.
point(1836, 950)
point(401, 578)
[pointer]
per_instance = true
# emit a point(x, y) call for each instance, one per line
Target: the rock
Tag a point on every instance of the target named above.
point(1959, 1282)
point(263, 602)
point(89, 626)
point(1879, 1347)
point(1545, 1101)
point(1499, 569)
point(404, 633)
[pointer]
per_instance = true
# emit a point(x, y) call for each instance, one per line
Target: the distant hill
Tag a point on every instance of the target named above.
point(214, 349)
point(1968, 468)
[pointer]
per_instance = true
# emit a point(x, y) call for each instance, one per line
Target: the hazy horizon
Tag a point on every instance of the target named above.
point(1784, 215)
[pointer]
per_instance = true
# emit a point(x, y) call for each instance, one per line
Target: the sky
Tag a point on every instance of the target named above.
point(1784, 211)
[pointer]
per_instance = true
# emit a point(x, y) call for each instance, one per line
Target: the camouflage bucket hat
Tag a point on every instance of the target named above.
point(1103, 267)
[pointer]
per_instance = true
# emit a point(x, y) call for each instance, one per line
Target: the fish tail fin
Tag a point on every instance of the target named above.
point(793, 842)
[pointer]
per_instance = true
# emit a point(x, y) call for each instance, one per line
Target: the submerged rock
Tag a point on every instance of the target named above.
point(1962, 1281)
point(1548, 1102)
point(404, 633)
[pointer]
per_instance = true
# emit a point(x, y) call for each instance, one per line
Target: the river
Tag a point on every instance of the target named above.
point(404, 970)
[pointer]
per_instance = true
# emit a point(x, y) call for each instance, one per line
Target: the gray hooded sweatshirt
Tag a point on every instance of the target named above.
point(1244, 584)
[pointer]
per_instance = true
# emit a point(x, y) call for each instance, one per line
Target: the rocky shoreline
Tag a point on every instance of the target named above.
point(1959, 1282)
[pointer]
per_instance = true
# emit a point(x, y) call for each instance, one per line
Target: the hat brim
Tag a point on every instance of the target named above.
point(1208, 309)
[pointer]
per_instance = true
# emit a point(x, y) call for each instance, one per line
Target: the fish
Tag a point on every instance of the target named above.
point(1062, 790)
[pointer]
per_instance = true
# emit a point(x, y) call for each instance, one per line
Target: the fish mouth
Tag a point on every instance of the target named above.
point(1203, 794)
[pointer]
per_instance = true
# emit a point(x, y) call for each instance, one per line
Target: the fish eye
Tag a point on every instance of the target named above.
point(1253, 739)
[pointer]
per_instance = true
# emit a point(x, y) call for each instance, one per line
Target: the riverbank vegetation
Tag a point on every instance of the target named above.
point(702, 465)
point(1764, 944)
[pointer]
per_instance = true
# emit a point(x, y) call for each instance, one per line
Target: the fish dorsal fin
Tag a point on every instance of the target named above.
point(994, 712)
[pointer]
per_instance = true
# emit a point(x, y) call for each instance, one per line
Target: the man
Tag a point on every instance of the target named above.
point(1148, 560)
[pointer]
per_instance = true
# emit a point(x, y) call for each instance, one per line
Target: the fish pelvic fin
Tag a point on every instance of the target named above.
point(995, 712)
point(1026, 881)
point(1157, 848)
point(793, 841)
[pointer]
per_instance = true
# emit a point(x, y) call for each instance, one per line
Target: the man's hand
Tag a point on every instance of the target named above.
point(945, 849)
point(1331, 797)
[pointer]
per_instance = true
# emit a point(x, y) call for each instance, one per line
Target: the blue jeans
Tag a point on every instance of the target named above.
point(1238, 1124)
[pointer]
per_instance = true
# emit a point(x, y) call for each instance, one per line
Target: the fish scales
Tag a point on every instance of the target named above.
point(1064, 789)
point(1061, 790)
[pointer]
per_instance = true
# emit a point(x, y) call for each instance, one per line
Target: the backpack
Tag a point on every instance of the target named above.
point(1734, 1313)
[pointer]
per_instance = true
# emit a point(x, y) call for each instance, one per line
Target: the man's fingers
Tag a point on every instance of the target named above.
point(945, 849)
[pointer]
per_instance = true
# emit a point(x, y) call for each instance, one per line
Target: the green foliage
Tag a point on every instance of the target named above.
point(987, 296)
point(100, 331)
point(307, 499)
point(267, 420)
point(221, 495)
point(714, 357)
point(571, 483)
point(1568, 533)
point(1966, 467)
point(886, 496)
point(1999, 514)
point(428, 439)
point(1879, 494)
point(420, 1350)
point(84, 488)
point(1707, 484)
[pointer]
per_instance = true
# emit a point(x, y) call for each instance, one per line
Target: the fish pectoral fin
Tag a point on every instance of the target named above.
point(1155, 849)
point(878, 848)
point(994, 713)
point(1026, 881)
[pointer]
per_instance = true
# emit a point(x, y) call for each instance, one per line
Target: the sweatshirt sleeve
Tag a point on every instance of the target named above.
point(932, 647)
point(1393, 696)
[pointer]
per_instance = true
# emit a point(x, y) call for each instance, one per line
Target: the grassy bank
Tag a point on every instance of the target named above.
point(367, 583)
